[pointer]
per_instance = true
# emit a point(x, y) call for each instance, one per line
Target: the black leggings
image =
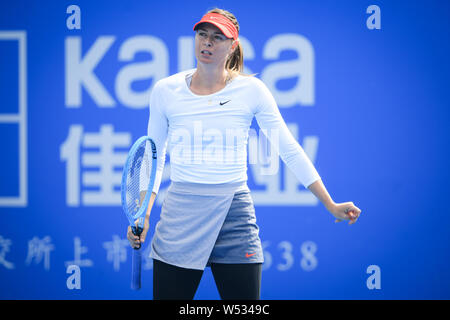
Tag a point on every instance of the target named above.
point(233, 281)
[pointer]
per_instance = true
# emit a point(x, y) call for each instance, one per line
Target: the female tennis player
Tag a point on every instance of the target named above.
point(207, 218)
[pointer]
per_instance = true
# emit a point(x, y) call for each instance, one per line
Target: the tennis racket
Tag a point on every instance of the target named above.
point(137, 184)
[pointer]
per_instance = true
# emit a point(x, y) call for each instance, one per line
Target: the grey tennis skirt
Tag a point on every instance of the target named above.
point(207, 223)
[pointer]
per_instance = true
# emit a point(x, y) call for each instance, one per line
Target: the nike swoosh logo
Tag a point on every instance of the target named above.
point(222, 103)
point(249, 255)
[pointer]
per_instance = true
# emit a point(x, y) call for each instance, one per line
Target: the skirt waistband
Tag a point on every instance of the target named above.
point(208, 189)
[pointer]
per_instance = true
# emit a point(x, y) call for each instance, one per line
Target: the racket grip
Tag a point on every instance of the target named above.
point(136, 262)
point(136, 269)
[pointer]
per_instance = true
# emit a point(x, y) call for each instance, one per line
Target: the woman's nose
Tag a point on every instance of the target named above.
point(209, 40)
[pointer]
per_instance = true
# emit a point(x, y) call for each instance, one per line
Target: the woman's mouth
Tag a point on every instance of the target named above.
point(206, 53)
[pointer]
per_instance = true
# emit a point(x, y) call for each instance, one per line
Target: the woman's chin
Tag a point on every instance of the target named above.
point(205, 61)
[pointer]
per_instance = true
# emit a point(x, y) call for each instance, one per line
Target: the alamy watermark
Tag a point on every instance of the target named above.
point(74, 280)
point(374, 280)
point(374, 20)
point(200, 146)
point(74, 20)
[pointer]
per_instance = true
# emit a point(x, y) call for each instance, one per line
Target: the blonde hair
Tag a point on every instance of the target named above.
point(235, 62)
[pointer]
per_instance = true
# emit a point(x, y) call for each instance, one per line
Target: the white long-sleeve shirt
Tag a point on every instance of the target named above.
point(207, 135)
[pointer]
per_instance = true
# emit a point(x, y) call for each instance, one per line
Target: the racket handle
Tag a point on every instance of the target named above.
point(136, 263)
point(136, 269)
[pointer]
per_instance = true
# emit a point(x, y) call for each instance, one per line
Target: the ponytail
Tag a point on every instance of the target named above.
point(235, 62)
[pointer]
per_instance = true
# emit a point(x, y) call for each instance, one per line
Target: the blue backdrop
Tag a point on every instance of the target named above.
point(363, 89)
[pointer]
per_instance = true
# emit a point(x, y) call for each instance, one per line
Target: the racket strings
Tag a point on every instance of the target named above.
point(138, 177)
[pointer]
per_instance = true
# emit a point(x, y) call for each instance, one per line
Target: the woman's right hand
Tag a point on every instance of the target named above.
point(133, 239)
point(136, 241)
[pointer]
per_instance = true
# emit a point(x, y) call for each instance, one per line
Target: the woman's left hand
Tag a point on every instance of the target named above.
point(345, 211)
